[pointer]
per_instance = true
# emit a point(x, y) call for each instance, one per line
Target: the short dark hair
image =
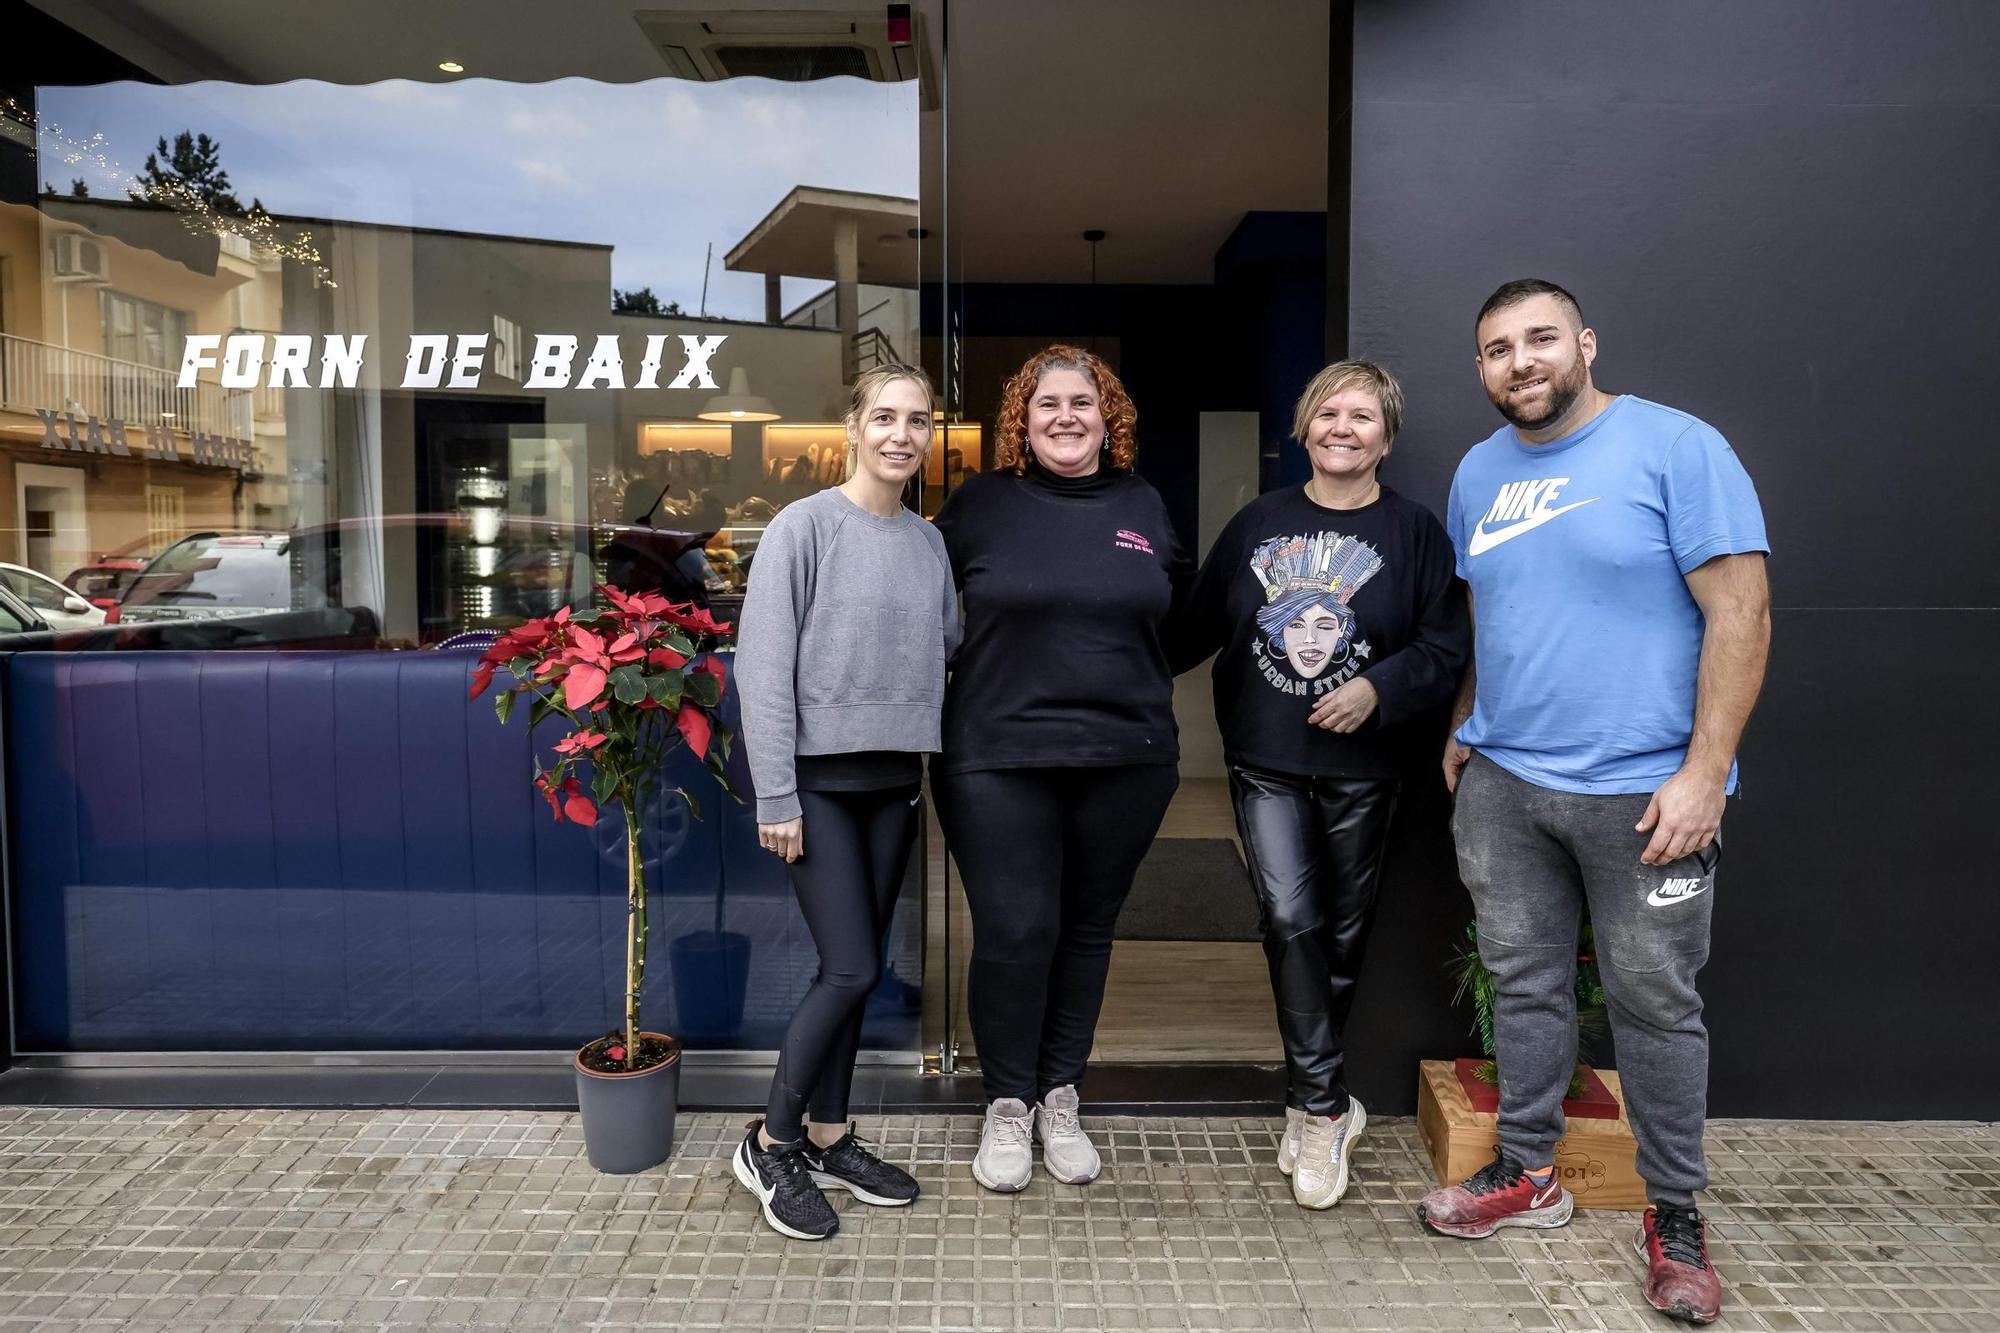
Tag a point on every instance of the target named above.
point(1521, 289)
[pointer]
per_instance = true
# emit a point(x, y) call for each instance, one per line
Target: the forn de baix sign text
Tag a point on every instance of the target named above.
point(451, 361)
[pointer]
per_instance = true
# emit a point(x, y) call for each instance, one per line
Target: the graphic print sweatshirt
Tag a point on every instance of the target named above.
point(1300, 599)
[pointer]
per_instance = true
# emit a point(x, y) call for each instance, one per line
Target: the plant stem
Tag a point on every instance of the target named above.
point(635, 927)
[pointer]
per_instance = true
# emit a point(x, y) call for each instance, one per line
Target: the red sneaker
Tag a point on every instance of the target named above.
point(1679, 1283)
point(1500, 1195)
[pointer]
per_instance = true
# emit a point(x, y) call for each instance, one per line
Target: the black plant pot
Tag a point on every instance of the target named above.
point(711, 971)
point(628, 1119)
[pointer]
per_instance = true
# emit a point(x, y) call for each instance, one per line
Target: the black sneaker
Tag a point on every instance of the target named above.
point(783, 1184)
point(861, 1173)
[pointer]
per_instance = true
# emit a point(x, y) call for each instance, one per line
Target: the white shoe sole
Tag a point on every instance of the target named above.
point(1095, 1171)
point(827, 1180)
point(739, 1164)
point(1072, 1180)
point(1360, 1114)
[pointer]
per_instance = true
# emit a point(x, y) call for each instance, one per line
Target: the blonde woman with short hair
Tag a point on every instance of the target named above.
point(1339, 620)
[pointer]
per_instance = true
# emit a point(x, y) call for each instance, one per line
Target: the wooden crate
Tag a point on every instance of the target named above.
point(1594, 1159)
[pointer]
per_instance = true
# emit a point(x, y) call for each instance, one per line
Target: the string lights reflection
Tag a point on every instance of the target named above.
point(258, 228)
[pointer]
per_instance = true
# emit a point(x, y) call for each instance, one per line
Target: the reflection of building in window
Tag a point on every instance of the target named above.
point(90, 364)
point(165, 512)
point(142, 331)
point(866, 246)
point(99, 297)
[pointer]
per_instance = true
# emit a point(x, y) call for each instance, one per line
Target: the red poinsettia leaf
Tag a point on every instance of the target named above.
point(582, 685)
point(712, 665)
point(695, 726)
point(562, 616)
point(481, 678)
point(580, 808)
point(666, 658)
point(587, 643)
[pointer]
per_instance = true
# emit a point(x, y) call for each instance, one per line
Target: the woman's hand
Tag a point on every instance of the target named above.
point(787, 839)
point(1347, 707)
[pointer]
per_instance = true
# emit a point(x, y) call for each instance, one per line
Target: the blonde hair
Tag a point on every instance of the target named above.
point(1343, 375)
point(868, 386)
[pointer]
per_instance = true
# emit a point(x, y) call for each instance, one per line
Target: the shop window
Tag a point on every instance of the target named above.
point(495, 343)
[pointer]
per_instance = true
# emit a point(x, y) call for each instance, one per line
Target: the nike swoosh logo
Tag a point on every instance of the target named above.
point(1543, 1196)
point(1656, 899)
point(1484, 541)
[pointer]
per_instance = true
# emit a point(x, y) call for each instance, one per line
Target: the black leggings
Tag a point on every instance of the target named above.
point(1315, 850)
point(856, 846)
point(1047, 856)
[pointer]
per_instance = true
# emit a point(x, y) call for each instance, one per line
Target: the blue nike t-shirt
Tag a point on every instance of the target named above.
point(1587, 639)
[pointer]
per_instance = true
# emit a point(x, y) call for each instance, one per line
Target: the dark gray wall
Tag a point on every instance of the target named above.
point(1783, 218)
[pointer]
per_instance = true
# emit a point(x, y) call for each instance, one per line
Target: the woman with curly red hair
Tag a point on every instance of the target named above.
point(1059, 748)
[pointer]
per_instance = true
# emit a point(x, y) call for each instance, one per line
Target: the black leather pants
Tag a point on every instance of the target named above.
point(1315, 851)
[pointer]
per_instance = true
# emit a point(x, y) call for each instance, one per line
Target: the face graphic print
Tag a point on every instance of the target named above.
point(1314, 637)
point(1308, 641)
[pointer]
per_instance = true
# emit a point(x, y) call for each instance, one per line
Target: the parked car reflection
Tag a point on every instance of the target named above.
point(458, 575)
point(61, 607)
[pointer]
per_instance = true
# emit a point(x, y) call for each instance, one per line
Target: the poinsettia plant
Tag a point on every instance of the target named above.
point(633, 680)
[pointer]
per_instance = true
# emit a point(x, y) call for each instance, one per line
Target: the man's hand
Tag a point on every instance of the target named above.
point(787, 839)
point(1682, 816)
point(1456, 757)
point(1347, 707)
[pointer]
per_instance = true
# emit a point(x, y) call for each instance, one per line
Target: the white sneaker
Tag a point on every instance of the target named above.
point(1067, 1151)
point(1325, 1146)
point(1288, 1142)
point(1006, 1157)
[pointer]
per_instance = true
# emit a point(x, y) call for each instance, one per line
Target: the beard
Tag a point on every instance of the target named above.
point(1564, 390)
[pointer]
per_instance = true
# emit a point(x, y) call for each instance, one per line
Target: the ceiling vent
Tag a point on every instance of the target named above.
point(794, 45)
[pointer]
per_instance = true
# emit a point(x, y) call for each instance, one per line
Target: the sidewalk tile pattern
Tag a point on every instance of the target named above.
point(204, 1221)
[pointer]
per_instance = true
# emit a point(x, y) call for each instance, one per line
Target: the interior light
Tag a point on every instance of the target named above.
point(739, 404)
point(451, 67)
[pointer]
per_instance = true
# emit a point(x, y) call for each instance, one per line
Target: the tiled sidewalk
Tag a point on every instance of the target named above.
point(219, 1220)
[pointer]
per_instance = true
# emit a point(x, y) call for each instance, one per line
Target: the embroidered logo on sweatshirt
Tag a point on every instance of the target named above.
point(1131, 541)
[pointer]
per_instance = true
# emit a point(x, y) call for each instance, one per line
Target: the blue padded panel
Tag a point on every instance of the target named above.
point(270, 851)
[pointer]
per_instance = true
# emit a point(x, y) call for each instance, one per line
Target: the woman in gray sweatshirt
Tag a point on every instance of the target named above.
point(840, 664)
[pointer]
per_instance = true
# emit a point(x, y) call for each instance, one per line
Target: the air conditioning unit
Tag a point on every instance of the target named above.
point(80, 258)
point(796, 45)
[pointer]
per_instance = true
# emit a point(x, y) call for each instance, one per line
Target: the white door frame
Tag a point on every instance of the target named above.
point(72, 538)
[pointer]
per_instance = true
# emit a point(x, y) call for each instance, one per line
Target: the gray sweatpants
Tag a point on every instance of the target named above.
point(1532, 857)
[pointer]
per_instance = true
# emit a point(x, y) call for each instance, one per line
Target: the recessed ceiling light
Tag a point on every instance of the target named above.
point(451, 67)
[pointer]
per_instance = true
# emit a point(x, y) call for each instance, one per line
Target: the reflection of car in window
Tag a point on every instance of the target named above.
point(107, 575)
point(463, 580)
point(17, 617)
point(214, 574)
point(59, 606)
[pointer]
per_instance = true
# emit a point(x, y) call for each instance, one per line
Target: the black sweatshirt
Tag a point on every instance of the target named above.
point(1300, 599)
point(1067, 585)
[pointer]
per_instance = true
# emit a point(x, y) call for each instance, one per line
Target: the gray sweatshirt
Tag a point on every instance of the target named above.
point(846, 626)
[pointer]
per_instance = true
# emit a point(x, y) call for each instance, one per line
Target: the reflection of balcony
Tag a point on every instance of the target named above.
point(59, 379)
point(872, 349)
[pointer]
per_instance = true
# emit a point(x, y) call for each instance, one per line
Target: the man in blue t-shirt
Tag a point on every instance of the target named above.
point(1615, 552)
